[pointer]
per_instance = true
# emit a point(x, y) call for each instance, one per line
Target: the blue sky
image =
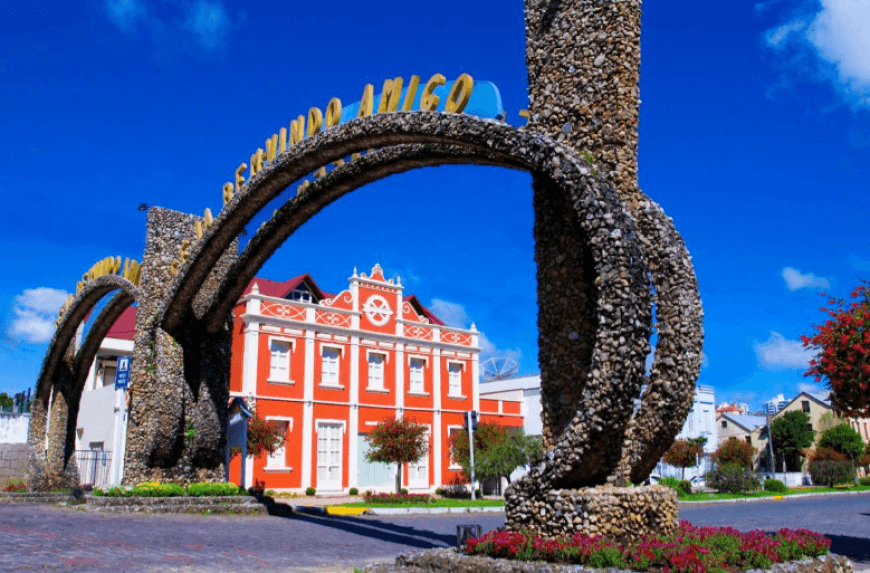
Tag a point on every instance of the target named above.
point(754, 137)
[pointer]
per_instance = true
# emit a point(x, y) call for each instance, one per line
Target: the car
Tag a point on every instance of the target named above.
point(699, 482)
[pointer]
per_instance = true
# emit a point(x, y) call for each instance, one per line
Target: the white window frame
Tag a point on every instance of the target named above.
point(282, 458)
point(450, 392)
point(386, 361)
point(451, 463)
point(291, 348)
point(425, 361)
point(427, 456)
point(318, 423)
point(337, 384)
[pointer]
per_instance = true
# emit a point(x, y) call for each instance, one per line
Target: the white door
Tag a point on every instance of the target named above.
point(418, 472)
point(329, 456)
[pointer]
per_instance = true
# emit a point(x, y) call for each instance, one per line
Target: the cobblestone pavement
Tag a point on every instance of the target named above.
point(47, 538)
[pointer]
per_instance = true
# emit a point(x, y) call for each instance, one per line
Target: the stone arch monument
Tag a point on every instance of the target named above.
point(605, 254)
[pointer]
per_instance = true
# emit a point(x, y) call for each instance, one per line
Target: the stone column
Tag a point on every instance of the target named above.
point(583, 60)
point(180, 380)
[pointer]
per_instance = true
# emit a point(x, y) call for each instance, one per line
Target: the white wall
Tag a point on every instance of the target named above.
point(96, 418)
point(14, 428)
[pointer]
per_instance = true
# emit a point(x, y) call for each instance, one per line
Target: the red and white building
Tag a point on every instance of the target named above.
point(328, 367)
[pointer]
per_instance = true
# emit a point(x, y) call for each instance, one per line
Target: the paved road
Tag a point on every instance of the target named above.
point(60, 539)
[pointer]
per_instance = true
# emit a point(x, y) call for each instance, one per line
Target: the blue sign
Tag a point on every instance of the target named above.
point(485, 101)
point(122, 373)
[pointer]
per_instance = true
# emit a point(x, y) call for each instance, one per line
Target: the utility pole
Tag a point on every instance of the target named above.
point(471, 425)
point(770, 415)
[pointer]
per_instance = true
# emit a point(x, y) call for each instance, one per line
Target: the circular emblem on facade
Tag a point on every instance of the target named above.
point(377, 310)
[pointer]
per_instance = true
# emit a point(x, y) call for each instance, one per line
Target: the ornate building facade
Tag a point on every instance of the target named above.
point(326, 368)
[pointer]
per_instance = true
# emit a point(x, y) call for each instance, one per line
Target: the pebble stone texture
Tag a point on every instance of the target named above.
point(179, 380)
point(450, 560)
point(61, 381)
point(600, 243)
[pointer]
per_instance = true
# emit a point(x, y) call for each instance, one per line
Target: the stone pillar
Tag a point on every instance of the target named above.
point(180, 380)
point(583, 60)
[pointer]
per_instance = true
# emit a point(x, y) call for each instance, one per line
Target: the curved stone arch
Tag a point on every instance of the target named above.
point(668, 397)
point(606, 369)
point(62, 377)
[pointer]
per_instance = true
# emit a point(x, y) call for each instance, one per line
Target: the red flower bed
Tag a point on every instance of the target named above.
point(691, 550)
point(398, 498)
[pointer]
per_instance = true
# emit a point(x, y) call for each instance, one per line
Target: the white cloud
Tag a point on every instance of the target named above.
point(125, 13)
point(451, 313)
point(778, 35)
point(837, 35)
point(209, 22)
point(811, 388)
point(488, 350)
point(779, 353)
point(35, 311)
point(795, 279)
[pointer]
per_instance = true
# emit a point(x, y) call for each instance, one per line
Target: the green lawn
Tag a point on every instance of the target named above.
point(791, 491)
point(437, 503)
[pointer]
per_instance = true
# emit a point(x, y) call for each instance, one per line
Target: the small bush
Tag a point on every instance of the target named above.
point(685, 487)
point(271, 492)
point(202, 489)
point(439, 491)
point(830, 473)
point(864, 480)
point(353, 491)
point(405, 491)
point(670, 482)
point(310, 491)
point(771, 484)
point(411, 498)
point(112, 492)
point(733, 478)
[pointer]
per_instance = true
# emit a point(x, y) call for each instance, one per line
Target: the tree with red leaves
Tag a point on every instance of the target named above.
point(399, 442)
point(842, 345)
point(684, 454)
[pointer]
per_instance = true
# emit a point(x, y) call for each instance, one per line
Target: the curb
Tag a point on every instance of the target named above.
point(773, 498)
point(432, 510)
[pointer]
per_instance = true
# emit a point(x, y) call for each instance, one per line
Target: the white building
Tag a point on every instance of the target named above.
point(100, 426)
point(701, 422)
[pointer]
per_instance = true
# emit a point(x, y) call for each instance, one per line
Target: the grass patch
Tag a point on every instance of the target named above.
point(436, 503)
point(763, 494)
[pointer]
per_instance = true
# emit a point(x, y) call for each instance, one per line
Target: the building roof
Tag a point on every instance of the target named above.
point(283, 289)
point(729, 409)
point(745, 421)
point(125, 327)
point(525, 382)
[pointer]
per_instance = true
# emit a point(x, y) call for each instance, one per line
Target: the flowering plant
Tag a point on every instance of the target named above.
point(842, 344)
point(690, 550)
point(398, 498)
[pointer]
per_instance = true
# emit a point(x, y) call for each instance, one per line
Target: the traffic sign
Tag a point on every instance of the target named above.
point(122, 373)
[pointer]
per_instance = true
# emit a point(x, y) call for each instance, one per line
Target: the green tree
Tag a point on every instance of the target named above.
point(498, 451)
point(6, 401)
point(684, 454)
point(791, 435)
point(843, 439)
point(398, 442)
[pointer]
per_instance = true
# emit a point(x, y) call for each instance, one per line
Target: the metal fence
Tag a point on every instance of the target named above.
point(94, 467)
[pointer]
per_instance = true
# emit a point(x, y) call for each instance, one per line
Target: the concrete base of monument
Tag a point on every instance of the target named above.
point(619, 513)
point(454, 562)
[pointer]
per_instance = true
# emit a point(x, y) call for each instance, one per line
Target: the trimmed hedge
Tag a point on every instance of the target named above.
point(733, 478)
point(155, 489)
point(771, 484)
point(400, 498)
point(831, 473)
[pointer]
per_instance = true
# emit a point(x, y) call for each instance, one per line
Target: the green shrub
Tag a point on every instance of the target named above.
point(112, 492)
point(271, 492)
point(685, 487)
point(439, 491)
point(864, 480)
point(774, 485)
point(310, 491)
point(353, 491)
point(393, 498)
point(155, 489)
point(673, 483)
point(830, 473)
point(212, 489)
point(405, 491)
point(733, 478)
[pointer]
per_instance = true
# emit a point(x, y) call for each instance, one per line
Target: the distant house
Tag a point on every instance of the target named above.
point(746, 428)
